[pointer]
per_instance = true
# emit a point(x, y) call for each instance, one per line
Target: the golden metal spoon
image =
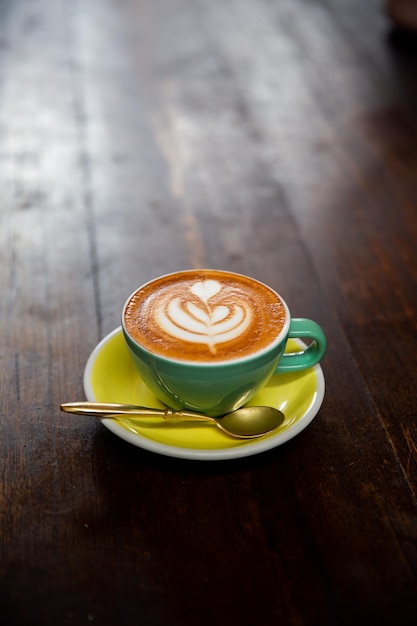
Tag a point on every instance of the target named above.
point(245, 423)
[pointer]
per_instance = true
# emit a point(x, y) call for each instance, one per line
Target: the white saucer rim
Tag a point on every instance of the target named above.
point(249, 449)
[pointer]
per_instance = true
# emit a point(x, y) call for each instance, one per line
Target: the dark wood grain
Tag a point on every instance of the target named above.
point(277, 139)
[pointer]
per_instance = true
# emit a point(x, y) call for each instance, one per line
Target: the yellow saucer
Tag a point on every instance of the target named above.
point(111, 377)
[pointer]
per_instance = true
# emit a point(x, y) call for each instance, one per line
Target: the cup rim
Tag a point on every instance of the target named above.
point(220, 363)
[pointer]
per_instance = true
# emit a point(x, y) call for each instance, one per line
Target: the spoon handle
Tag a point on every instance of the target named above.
point(106, 409)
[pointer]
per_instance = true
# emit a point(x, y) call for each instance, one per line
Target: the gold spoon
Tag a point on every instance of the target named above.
point(245, 423)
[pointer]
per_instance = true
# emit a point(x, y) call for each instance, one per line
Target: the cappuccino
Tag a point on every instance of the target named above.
point(204, 316)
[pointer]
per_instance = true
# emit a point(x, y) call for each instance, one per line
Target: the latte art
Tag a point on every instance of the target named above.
point(204, 315)
point(201, 322)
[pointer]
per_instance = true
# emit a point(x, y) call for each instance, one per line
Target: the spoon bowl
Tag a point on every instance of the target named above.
point(244, 423)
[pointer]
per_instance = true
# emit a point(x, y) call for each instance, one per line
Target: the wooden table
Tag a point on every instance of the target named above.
point(276, 139)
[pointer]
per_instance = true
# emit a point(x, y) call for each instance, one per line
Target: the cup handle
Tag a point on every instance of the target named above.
point(303, 329)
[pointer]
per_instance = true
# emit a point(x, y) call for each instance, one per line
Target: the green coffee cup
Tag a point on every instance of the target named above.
point(208, 340)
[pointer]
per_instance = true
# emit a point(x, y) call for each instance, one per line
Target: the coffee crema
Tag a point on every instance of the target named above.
point(204, 315)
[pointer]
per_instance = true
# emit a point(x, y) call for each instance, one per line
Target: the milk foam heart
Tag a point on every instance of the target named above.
point(205, 289)
point(203, 323)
